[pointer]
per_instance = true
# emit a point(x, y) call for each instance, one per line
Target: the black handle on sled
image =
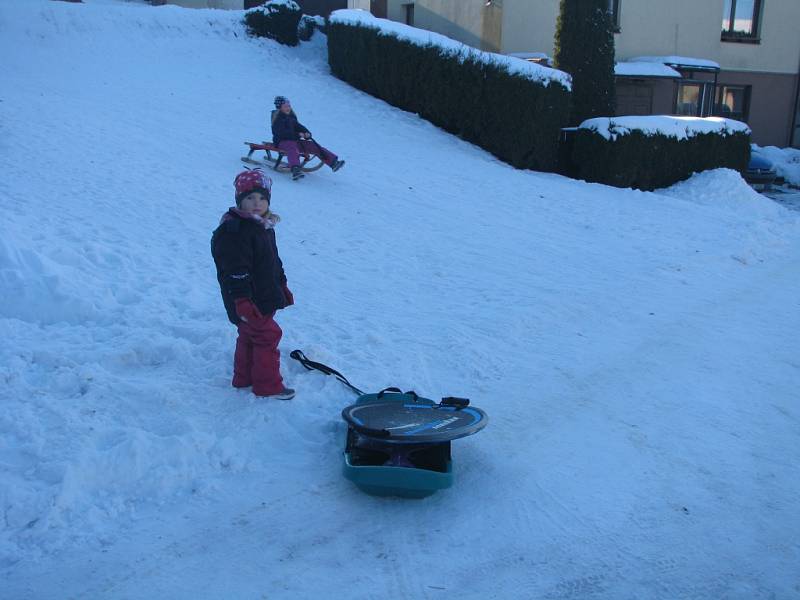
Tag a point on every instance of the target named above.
point(394, 390)
point(458, 403)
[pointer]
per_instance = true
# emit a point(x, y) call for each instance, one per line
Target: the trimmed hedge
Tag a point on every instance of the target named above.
point(513, 117)
point(277, 20)
point(651, 161)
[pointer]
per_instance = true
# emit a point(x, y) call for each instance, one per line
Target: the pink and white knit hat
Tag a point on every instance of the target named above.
point(254, 180)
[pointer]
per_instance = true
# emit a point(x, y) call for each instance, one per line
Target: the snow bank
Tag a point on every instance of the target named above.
point(725, 189)
point(423, 37)
point(677, 127)
point(42, 288)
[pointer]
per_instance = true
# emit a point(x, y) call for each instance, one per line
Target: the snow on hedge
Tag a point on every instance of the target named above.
point(678, 127)
point(422, 37)
point(275, 5)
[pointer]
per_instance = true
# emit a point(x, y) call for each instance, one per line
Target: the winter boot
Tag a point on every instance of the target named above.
point(337, 165)
point(297, 173)
point(285, 394)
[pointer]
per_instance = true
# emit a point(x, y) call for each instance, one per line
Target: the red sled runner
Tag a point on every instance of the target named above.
point(275, 158)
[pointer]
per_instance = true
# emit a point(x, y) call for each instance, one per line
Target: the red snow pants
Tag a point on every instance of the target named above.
point(293, 150)
point(257, 360)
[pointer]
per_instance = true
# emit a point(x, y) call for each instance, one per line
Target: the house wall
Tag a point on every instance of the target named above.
point(468, 21)
point(771, 104)
point(361, 4)
point(529, 26)
point(395, 10)
point(681, 27)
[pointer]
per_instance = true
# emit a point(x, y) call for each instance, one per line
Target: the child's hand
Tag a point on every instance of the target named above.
point(247, 310)
point(289, 296)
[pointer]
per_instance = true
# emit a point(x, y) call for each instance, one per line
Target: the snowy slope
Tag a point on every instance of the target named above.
point(636, 352)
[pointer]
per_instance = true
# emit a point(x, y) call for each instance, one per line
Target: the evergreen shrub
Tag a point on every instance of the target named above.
point(648, 161)
point(584, 48)
point(306, 28)
point(276, 19)
point(515, 118)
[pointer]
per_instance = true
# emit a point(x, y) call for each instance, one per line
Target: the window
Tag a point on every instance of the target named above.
point(408, 10)
point(693, 99)
point(613, 9)
point(733, 102)
point(741, 20)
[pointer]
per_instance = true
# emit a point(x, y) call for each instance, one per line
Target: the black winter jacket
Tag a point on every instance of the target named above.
point(286, 127)
point(248, 265)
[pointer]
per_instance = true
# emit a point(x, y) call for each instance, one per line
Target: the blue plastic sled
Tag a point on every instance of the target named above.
point(398, 444)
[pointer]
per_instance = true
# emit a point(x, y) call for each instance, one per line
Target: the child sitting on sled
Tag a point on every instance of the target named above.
point(292, 138)
point(253, 284)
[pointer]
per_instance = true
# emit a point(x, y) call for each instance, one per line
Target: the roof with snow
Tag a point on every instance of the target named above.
point(423, 37)
point(680, 62)
point(644, 69)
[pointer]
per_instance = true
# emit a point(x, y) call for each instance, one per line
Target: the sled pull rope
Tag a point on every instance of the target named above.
point(315, 366)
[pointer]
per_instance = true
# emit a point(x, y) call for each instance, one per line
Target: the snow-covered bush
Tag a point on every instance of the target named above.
point(657, 151)
point(510, 107)
point(308, 25)
point(276, 19)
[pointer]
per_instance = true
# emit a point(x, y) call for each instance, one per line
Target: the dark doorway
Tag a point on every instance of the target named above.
point(378, 8)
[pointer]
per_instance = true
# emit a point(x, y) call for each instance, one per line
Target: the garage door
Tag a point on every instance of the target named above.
point(634, 98)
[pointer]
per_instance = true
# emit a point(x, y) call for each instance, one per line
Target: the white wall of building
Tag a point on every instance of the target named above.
point(529, 26)
point(362, 4)
point(683, 27)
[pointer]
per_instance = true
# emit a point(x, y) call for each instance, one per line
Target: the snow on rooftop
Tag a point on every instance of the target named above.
point(644, 69)
point(678, 127)
point(423, 37)
point(681, 61)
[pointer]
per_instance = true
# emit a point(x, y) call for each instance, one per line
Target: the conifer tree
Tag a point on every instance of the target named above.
point(584, 48)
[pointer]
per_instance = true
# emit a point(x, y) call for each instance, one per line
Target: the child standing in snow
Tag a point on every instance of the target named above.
point(253, 284)
point(291, 137)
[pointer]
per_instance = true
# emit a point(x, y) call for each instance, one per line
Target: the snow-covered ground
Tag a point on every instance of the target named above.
point(637, 352)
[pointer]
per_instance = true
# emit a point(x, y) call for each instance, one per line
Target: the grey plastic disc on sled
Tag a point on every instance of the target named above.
point(413, 422)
